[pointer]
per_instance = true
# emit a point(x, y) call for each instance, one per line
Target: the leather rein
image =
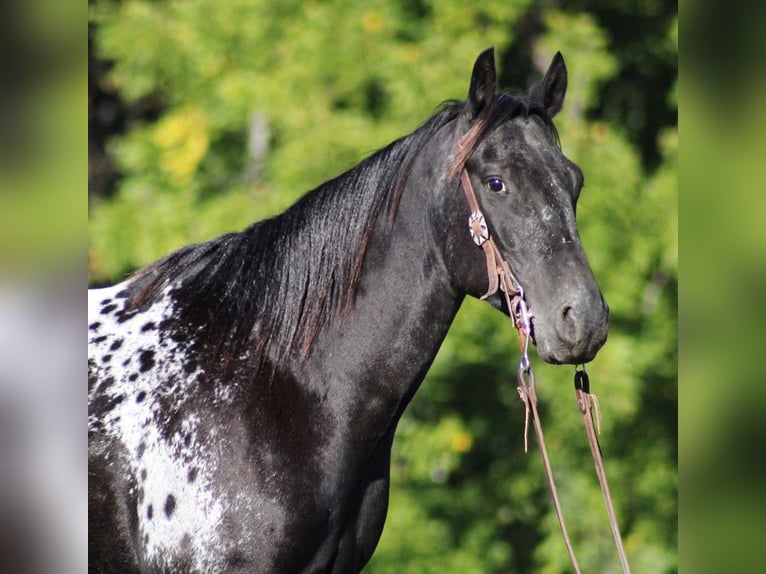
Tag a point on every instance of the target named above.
point(501, 277)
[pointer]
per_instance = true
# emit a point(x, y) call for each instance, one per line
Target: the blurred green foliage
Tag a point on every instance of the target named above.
point(260, 101)
point(42, 207)
point(721, 420)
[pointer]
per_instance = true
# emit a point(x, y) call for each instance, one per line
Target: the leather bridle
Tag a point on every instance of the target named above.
point(501, 277)
point(499, 272)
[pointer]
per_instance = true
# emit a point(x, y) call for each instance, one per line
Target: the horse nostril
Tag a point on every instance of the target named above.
point(567, 325)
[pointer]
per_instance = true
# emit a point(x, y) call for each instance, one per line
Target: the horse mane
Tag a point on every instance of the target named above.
point(265, 292)
point(269, 289)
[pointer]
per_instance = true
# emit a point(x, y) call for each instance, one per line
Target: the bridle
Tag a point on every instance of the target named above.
point(501, 277)
point(499, 272)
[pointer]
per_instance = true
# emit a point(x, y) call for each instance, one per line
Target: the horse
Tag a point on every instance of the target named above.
point(244, 393)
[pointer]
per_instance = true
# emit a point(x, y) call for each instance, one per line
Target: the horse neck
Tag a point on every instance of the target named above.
point(377, 355)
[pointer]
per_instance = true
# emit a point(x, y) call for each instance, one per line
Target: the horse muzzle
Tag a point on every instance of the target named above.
point(572, 332)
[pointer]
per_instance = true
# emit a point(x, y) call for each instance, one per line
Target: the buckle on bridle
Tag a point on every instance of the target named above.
point(477, 225)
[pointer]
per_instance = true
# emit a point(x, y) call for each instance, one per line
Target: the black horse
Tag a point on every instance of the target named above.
point(244, 393)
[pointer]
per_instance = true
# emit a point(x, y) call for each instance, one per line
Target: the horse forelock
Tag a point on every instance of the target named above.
point(502, 108)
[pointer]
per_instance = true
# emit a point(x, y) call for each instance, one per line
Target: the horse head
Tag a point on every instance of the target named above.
point(527, 190)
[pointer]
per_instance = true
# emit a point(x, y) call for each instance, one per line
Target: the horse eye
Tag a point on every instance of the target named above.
point(495, 184)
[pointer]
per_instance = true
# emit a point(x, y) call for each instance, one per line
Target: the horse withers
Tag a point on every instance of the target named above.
point(244, 393)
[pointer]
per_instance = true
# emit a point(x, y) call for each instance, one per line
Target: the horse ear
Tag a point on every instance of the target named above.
point(483, 82)
point(550, 92)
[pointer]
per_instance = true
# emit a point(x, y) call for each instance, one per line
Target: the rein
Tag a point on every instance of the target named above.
point(500, 277)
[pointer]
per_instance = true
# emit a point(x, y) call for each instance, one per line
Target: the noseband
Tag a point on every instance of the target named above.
point(501, 277)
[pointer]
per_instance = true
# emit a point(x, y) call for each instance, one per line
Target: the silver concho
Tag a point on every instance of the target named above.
point(477, 225)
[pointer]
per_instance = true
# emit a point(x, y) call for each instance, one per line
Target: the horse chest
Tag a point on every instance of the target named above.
point(196, 500)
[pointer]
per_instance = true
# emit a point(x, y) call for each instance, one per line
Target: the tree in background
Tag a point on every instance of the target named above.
point(209, 114)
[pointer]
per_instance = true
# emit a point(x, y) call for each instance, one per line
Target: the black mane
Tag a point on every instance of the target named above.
point(269, 289)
